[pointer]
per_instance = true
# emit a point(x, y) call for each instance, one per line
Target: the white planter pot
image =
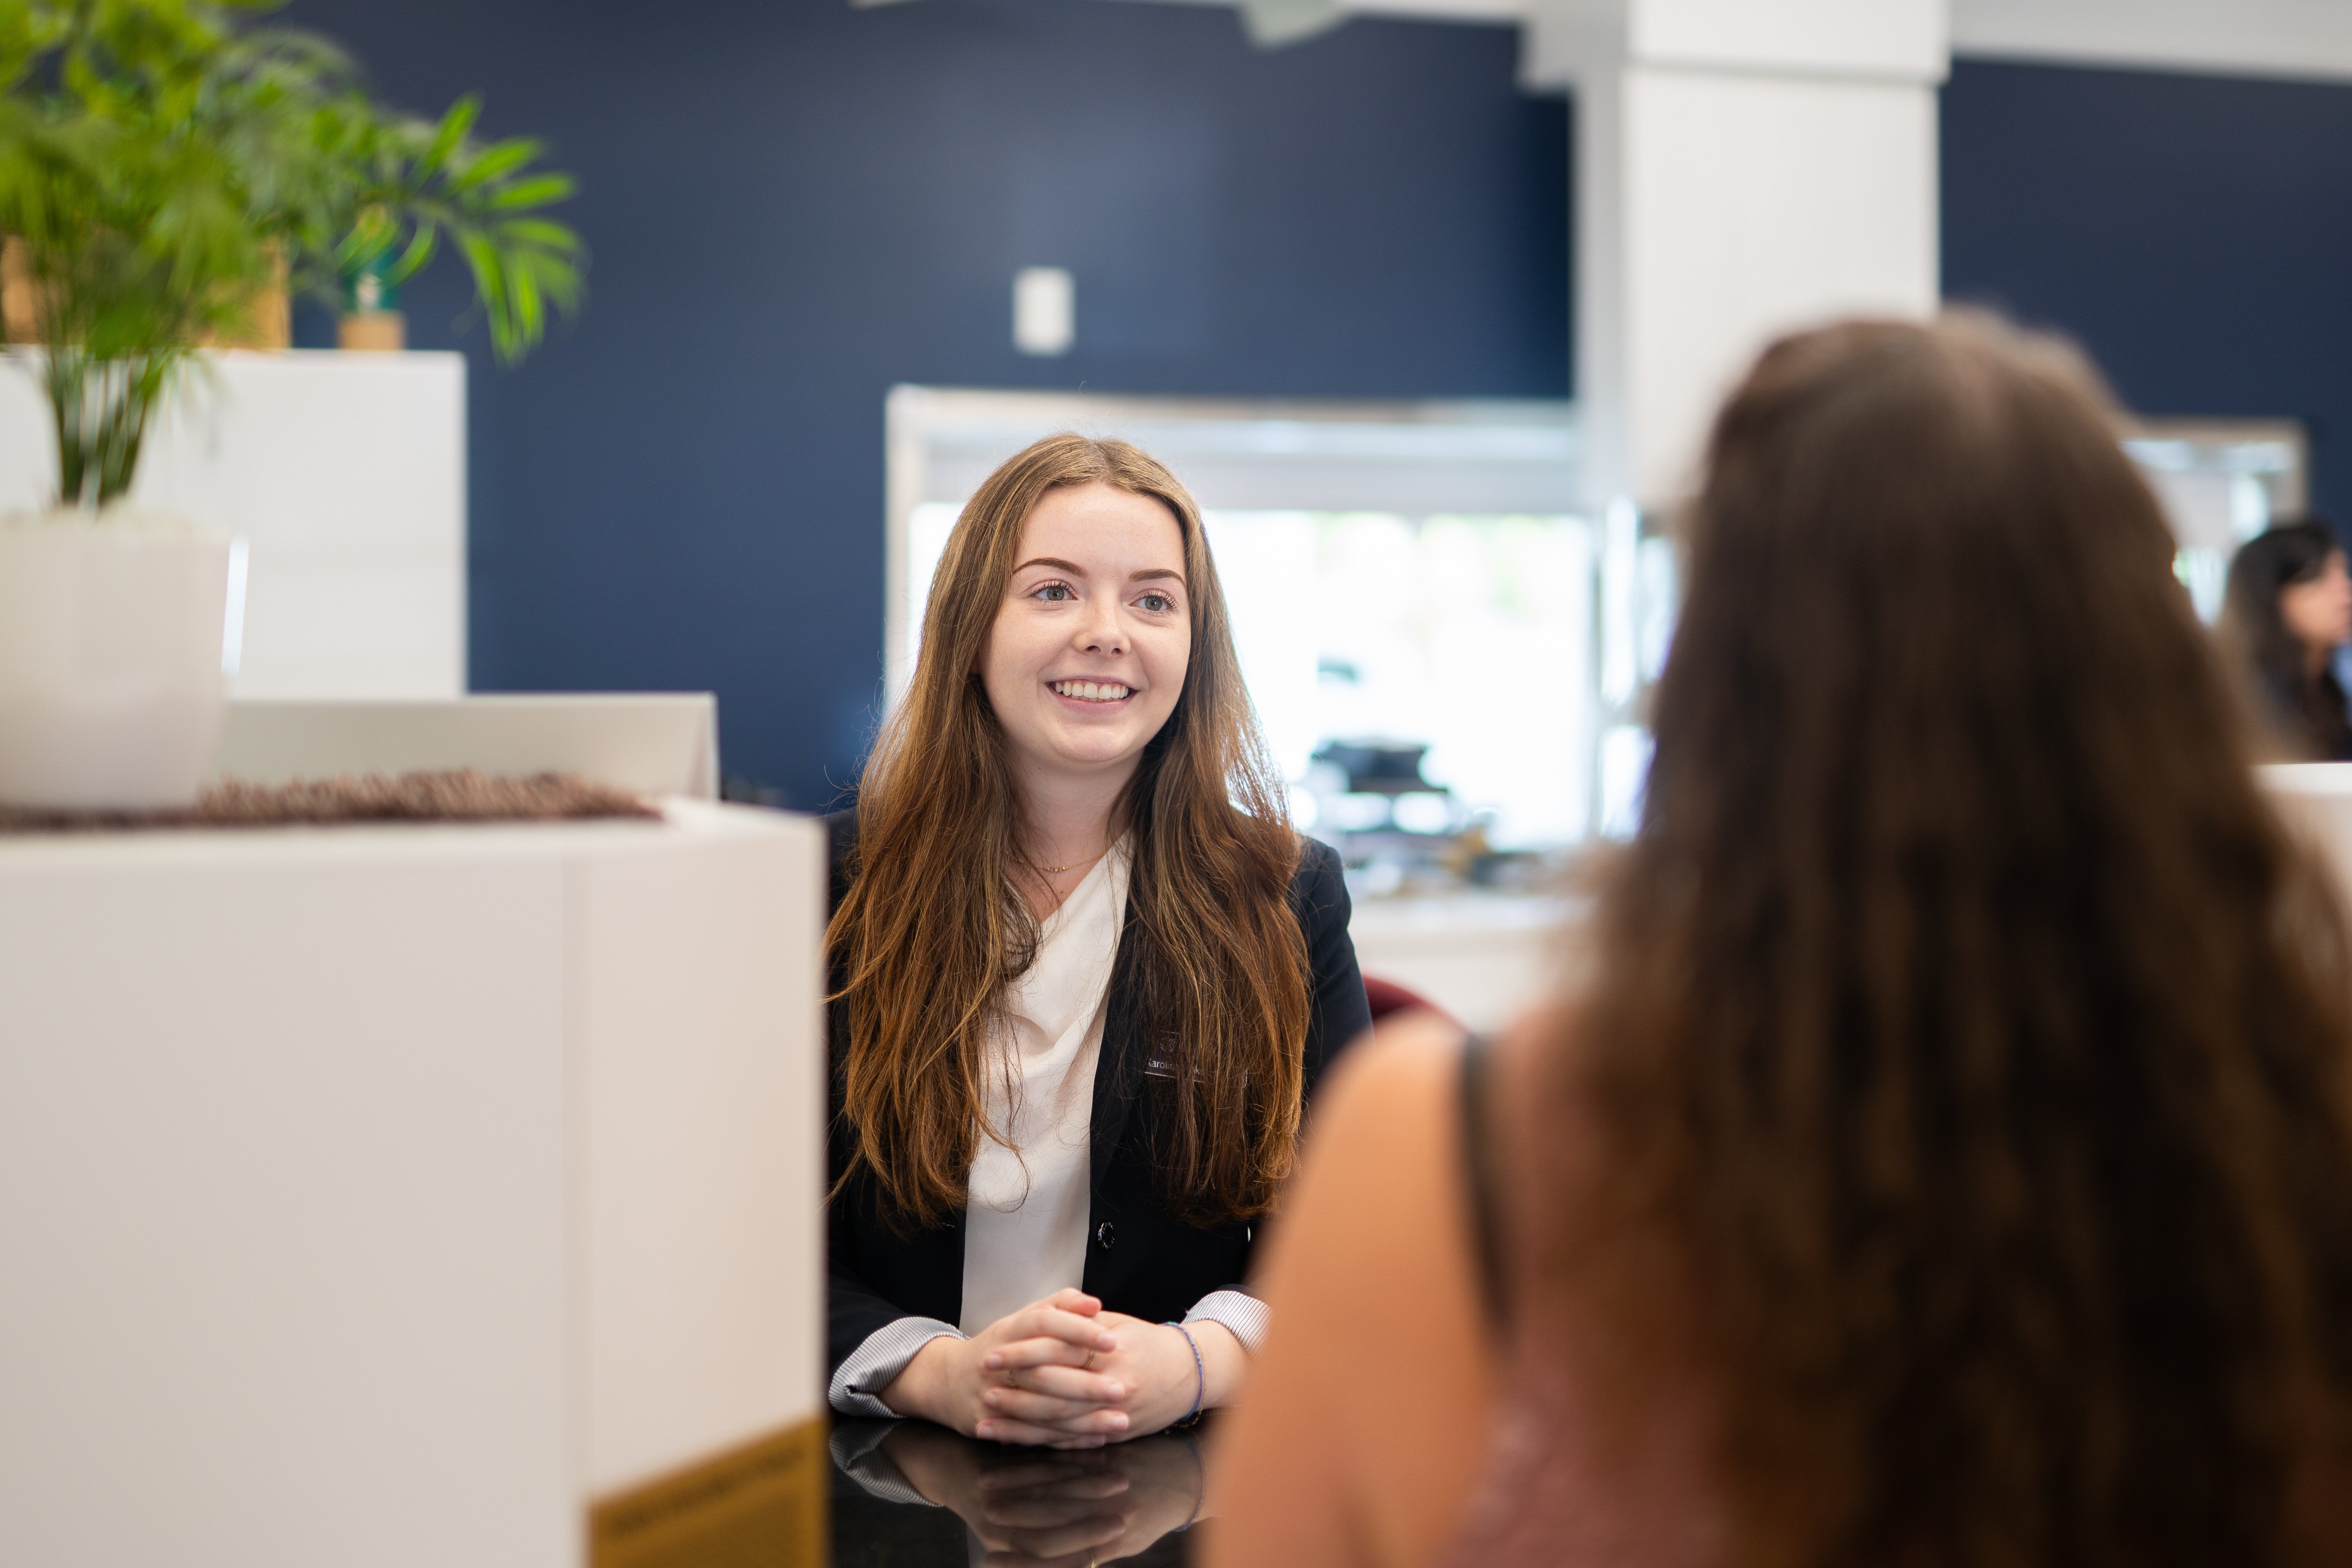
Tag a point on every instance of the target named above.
point(111, 647)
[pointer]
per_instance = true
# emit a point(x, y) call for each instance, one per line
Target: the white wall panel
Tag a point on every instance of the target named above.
point(1744, 168)
point(1753, 205)
point(2269, 38)
point(1902, 38)
point(345, 474)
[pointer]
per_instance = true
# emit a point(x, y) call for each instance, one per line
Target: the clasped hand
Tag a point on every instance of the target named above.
point(1061, 1372)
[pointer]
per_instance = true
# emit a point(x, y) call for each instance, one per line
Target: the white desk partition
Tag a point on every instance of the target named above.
point(384, 1197)
point(1483, 957)
point(2316, 798)
point(652, 742)
point(345, 476)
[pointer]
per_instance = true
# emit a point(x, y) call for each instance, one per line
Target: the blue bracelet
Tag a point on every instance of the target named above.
point(1200, 1374)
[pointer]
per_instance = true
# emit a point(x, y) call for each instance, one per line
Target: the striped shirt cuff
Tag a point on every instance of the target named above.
point(1243, 1314)
point(870, 1368)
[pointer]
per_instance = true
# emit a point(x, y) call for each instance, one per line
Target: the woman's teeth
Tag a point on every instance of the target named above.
point(1092, 690)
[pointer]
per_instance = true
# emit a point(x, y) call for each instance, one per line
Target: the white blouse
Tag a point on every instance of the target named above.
point(1026, 1222)
point(1025, 1228)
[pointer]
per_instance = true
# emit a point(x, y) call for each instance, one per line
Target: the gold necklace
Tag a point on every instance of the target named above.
point(1057, 870)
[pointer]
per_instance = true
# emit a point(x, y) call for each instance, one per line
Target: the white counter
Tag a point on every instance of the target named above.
point(391, 1195)
point(1483, 957)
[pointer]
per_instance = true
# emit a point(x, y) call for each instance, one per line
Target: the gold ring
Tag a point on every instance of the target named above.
point(1089, 1361)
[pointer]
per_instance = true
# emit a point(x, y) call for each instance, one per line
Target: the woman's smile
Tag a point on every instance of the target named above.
point(1092, 693)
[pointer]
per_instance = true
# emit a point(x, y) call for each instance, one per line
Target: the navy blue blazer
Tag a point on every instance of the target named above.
point(1141, 1258)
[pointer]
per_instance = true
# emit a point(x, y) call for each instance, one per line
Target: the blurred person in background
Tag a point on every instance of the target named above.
point(1939, 1154)
point(2287, 611)
point(1084, 979)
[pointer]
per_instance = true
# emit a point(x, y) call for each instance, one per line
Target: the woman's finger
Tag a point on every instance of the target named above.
point(1041, 1351)
point(1019, 1475)
point(1004, 1429)
point(1038, 1511)
point(1017, 1556)
point(1090, 1485)
point(1067, 1382)
point(1075, 1419)
point(1035, 1408)
point(1045, 1409)
point(1054, 1322)
point(1068, 1539)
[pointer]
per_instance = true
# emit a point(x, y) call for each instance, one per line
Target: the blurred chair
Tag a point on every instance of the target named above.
point(1387, 996)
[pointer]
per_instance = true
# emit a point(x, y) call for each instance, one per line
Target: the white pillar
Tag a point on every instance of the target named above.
point(1743, 167)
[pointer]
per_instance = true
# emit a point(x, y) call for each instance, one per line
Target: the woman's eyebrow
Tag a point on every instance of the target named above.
point(1075, 570)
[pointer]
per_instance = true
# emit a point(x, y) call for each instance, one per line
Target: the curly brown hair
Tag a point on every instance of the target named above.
point(1968, 1040)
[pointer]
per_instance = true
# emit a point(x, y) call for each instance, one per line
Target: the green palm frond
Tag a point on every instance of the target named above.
point(161, 162)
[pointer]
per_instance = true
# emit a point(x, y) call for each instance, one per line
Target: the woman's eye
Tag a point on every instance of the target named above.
point(1054, 593)
point(1156, 603)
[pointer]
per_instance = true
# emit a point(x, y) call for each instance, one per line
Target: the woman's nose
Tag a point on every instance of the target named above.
point(1102, 631)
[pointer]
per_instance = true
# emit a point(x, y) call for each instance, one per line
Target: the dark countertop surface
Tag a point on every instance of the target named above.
point(907, 1494)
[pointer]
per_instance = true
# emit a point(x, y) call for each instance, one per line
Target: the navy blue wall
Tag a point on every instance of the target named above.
point(794, 204)
point(2194, 233)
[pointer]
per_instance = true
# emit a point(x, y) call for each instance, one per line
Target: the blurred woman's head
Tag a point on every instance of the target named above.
point(1968, 1040)
point(2289, 590)
point(2288, 608)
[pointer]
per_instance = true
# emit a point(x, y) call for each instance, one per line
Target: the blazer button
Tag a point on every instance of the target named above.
point(1106, 1234)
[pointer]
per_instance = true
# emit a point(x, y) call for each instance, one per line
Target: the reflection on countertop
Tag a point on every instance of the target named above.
point(907, 1494)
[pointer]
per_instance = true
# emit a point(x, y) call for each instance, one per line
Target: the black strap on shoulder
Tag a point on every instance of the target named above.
point(1478, 1173)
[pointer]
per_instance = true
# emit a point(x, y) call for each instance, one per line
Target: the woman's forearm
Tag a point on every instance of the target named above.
point(920, 1387)
point(1224, 1364)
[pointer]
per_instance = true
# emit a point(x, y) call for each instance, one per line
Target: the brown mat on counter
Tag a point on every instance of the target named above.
point(459, 795)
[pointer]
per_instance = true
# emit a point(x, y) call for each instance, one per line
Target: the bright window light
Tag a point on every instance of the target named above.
point(1471, 635)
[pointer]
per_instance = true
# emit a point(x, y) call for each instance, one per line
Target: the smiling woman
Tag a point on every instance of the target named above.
point(1087, 658)
point(1084, 978)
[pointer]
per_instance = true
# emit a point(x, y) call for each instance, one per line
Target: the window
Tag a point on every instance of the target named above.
point(1403, 580)
point(2221, 482)
point(1447, 655)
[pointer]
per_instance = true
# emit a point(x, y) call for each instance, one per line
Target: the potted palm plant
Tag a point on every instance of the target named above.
point(164, 164)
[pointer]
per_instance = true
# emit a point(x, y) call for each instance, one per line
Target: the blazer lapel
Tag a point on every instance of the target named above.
point(1118, 1070)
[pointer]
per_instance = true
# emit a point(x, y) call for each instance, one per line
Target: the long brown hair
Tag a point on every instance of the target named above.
point(931, 930)
point(1967, 1038)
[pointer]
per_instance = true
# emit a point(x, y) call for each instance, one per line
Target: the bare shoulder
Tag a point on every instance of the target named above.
point(1378, 1201)
point(1391, 1114)
point(1364, 1423)
point(1400, 1083)
point(1372, 1186)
